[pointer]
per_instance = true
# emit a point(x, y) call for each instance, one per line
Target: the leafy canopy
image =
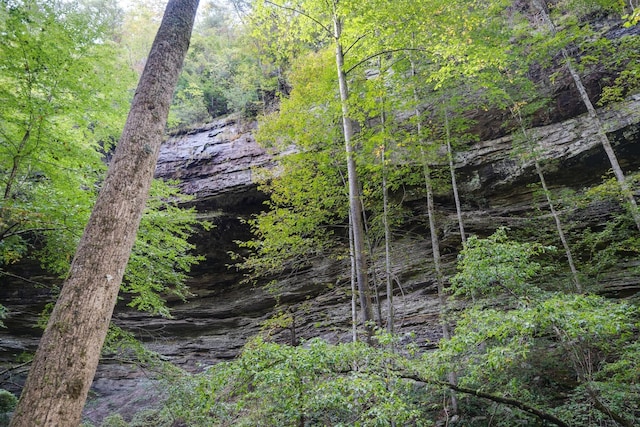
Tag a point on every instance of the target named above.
point(64, 92)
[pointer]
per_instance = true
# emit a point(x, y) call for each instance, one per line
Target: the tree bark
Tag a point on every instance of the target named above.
point(354, 190)
point(68, 354)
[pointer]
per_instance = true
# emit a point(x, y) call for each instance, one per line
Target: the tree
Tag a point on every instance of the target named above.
point(140, 24)
point(506, 338)
point(222, 71)
point(533, 155)
point(69, 350)
point(328, 19)
point(306, 191)
point(61, 108)
point(315, 384)
point(584, 96)
point(59, 121)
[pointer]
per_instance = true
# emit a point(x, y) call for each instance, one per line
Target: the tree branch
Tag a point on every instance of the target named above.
point(15, 276)
point(15, 368)
point(300, 12)
point(605, 410)
point(381, 53)
point(355, 43)
point(494, 398)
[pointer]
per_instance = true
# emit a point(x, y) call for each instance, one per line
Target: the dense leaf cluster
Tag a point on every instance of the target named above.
point(65, 89)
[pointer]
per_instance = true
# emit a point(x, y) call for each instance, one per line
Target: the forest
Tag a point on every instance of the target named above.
point(368, 109)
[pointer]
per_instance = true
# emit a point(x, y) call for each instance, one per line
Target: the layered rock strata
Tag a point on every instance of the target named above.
point(216, 164)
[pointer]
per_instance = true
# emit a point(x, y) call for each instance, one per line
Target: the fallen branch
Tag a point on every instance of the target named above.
point(494, 398)
point(605, 410)
point(14, 368)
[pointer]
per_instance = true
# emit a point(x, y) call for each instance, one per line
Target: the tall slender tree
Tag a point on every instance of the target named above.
point(516, 112)
point(328, 20)
point(542, 6)
point(452, 171)
point(435, 242)
point(68, 354)
point(355, 202)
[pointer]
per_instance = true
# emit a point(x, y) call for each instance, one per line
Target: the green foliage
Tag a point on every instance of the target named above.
point(316, 384)
point(513, 352)
point(569, 342)
point(632, 18)
point(114, 420)
point(221, 73)
point(613, 239)
point(496, 266)
point(620, 57)
point(64, 94)
point(283, 34)
point(579, 343)
point(61, 101)
point(307, 197)
point(147, 418)
point(162, 255)
point(7, 401)
point(138, 28)
point(123, 346)
point(309, 118)
point(306, 189)
point(589, 48)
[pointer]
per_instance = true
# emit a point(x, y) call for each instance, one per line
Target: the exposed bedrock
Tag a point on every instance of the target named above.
point(216, 165)
point(495, 190)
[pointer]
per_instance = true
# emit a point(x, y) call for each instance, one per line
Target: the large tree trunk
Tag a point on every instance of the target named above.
point(354, 190)
point(67, 358)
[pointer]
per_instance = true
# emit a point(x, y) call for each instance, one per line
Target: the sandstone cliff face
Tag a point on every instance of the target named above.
point(215, 324)
point(215, 164)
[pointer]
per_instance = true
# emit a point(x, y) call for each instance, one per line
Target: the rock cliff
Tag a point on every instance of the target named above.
point(215, 164)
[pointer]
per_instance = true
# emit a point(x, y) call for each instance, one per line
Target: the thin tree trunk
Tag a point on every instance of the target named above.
point(374, 271)
point(374, 275)
point(435, 245)
point(385, 215)
point(68, 354)
point(567, 250)
point(376, 292)
point(387, 246)
point(354, 291)
point(454, 184)
point(435, 248)
point(354, 190)
point(602, 135)
point(563, 239)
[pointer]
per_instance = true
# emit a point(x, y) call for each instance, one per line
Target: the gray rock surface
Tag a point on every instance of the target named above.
point(216, 164)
